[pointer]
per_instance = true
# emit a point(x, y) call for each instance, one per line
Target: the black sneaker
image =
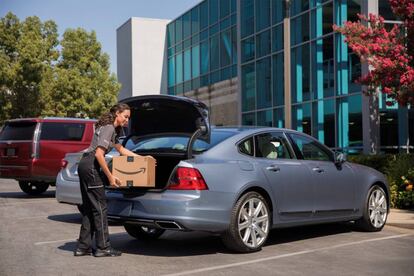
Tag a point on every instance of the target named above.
point(107, 253)
point(82, 252)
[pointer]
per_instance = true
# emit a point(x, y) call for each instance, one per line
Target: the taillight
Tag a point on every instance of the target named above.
point(63, 163)
point(187, 179)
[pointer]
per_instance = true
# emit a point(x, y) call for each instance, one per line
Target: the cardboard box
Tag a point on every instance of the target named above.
point(134, 171)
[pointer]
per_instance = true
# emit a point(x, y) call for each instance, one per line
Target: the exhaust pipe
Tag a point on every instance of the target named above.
point(171, 225)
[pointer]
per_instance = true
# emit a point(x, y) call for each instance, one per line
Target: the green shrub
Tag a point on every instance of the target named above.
point(378, 162)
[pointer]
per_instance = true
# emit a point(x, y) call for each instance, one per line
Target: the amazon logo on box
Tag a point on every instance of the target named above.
point(134, 171)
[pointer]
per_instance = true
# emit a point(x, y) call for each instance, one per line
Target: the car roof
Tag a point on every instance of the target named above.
point(52, 119)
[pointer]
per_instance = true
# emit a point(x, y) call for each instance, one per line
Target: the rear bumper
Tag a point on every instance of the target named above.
point(174, 210)
point(67, 191)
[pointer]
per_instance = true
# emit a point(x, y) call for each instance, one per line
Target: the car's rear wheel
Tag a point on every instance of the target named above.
point(143, 232)
point(375, 210)
point(33, 187)
point(249, 225)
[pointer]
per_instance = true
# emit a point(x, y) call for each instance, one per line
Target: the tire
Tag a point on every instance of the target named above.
point(375, 210)
point(143, 233)
point(249, 229)
point(33, 188)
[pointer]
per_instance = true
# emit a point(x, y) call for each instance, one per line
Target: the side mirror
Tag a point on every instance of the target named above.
point(339, 158)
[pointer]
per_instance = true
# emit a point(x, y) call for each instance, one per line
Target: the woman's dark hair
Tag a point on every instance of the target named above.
point(108, 118)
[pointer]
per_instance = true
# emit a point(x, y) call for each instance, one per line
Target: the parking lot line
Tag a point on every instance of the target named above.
point(284, 255)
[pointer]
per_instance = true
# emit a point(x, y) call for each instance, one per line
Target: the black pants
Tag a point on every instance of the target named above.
point(94, 206)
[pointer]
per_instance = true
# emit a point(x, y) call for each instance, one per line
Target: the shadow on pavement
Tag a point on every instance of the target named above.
point(75, 218)
point(47, 194)
point(178, 244)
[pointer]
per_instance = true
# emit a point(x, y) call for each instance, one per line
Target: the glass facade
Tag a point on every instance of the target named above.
point(325, 100)
point(202, 46)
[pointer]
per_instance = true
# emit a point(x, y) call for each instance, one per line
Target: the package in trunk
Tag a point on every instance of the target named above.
point(134, 171)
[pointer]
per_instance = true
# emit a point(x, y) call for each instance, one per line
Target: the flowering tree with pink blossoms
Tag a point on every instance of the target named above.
point(389, 53)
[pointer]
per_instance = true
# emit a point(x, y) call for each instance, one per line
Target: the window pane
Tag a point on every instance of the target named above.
point(272, 146)
point(246, 147)
point(323, 116)
point(247, 17)
point(278, 11)
point(171, 71)
point(262, 14)
point(225, 48)
point(248, 87)
point(300, 74)
point(247, 48)
point(299, 29)
point(354, 73)
point(186, 25)
point(279, 117)
point(171, 34)
point(323, 68)
point(277, 40)
point(249, 119)
point(301, 118)
point(205, 57)
point(278, 80)
point(385, 10)
point(349, 122)
point(195, 22)
point(298, 6)
point(187, 65)
point(264, 118)
point(263, 44)
point(234, 45)
point(179, 73)
point(203, 15)
point(263, 91)
point(195, 61)
point(214, 9)
point(224, 8)
point(310, 149)
point(225, 73)
point(62, 131)
point(354, 7)
point(178, 30)
point(18, 131)
point(214, 53)
point(411, 125)
point(327, 18)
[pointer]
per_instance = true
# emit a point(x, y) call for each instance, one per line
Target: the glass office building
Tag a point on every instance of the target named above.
point(293, 70)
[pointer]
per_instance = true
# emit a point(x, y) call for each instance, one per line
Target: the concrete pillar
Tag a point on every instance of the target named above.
point(286, 46)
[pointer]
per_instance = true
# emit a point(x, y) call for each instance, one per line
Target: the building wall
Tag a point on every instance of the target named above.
point(141, 62)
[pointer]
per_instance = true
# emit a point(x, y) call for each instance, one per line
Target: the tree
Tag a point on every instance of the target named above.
point(389, 53)
point(27, 52)
point(36, 79)
point(82, 84)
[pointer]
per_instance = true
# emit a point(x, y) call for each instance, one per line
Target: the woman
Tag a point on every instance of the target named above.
point(93, 174)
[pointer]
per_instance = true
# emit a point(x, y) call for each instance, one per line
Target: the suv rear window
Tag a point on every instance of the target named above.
point(62, 131)
point(18, 131)
point(174, 143)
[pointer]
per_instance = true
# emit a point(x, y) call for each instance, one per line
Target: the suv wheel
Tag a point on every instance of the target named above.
point(249, 225)
point(33, 188)
point(143, 232)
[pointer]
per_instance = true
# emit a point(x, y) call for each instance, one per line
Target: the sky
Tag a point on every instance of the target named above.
point(102, 16)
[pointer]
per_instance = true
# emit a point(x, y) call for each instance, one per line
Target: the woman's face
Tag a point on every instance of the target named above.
point(122, 118)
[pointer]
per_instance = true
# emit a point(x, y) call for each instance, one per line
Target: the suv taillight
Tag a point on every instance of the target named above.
point(187, 179)
point(63, 163)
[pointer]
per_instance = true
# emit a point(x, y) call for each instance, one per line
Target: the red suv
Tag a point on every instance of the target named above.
point(31, 150)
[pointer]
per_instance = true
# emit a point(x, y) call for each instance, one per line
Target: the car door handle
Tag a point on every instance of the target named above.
point(318, 170)
point(273, 168)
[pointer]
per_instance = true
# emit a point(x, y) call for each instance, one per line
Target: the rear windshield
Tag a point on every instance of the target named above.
point(62, 131)
point(174, 143)
point(18, 131)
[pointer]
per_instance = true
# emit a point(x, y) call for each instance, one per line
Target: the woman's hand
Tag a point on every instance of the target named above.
point(114, 181)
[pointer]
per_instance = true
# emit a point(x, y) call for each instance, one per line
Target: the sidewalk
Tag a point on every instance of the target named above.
point(401, 218)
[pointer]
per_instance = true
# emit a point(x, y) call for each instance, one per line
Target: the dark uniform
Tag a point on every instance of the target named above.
point(92, 182)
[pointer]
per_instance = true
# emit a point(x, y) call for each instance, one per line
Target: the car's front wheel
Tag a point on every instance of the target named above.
point(143, 232)
point(249, 225)
point(33, 188)
point(375, 210)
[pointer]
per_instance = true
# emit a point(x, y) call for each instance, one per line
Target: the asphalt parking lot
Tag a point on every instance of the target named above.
point(38, 235)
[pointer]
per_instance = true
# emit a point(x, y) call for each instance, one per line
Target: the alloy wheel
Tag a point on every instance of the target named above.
point(377, 207)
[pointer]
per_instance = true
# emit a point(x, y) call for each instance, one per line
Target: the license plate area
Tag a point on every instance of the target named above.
point(10, 152)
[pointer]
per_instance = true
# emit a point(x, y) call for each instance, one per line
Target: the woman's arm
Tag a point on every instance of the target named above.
point(100, 156)
point(124, 151)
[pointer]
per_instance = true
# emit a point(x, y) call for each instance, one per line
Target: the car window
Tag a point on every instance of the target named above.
point(18, 131)
point(272, 146)
point(246, 147)
point(174, 143)
point(62, 131)
point(311, 149)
